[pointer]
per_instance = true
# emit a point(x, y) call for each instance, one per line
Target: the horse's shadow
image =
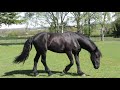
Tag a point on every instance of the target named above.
point(41, 73)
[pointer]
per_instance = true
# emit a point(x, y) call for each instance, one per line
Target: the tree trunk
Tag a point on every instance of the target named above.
point(78, 26)
point(103, 26)
point(62, 28)
point(89, 27)
point(102, 34)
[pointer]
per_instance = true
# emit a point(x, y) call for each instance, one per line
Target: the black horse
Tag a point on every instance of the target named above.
point(67, 42)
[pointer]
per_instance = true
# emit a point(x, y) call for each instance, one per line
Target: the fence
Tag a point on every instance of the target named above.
point(12, 41)
point(95, 39)
point(21, 40)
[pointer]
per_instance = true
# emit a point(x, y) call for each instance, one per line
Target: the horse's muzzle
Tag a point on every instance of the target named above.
point(96, 66)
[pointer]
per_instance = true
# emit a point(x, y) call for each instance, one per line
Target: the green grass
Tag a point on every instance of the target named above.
point(110, 63)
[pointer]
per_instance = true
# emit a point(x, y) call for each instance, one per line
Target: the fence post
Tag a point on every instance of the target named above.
point(62, 28)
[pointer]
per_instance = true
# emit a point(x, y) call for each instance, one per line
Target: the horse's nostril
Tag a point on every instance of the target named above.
point(96, 66)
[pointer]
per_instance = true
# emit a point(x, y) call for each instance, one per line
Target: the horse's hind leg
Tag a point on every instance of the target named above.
point(35, 63)
point(43, 60)
point(69, 54)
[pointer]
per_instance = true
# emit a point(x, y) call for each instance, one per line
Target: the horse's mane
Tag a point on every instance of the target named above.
point(97, 51)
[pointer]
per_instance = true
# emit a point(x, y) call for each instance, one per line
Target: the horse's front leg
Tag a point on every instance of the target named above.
point(35, 64)
point(69, 54)
point(43, 60)
point(76, 55)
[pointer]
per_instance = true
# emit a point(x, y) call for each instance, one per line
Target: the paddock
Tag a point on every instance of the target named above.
point(109, 67)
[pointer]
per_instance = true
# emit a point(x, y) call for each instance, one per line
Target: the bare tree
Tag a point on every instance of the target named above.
point(79, 19)
point(104, 17)
point(56, 19)
point(34, 19)
point(90, 17)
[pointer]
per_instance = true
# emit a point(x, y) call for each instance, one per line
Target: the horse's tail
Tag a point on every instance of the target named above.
point(25, 53)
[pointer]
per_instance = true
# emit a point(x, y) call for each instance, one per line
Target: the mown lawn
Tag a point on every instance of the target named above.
point(110, 63)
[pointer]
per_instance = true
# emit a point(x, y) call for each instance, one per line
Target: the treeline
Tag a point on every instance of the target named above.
point(89, 23)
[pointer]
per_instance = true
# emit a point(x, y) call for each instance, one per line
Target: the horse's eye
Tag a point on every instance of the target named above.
point(96, 56)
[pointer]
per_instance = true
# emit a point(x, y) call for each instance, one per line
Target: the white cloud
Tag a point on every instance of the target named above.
point(12, 26)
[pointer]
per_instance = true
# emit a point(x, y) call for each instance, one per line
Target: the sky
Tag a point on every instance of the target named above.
point(12, 26)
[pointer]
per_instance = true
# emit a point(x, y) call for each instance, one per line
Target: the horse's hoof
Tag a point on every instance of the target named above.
point(83, 75)
point(65, 72)
point(62, 74)
point(50, 74)
point(36, 74)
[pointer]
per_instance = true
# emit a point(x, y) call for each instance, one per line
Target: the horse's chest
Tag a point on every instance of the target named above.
point(76, 46)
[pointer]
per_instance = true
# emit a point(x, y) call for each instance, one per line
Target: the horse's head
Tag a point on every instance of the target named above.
point(95, 58)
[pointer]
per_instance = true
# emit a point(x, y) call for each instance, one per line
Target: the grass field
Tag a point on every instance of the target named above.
point(110, 63)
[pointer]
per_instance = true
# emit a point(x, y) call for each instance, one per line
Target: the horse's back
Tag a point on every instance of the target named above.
point(62, 42)
point(40, 41)
point(57, 42)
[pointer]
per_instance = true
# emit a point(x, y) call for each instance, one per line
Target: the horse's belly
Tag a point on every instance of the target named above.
point(56, 48)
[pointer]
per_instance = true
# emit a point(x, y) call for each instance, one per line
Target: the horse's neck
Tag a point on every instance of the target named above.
point(85, 42)
point(88, 45)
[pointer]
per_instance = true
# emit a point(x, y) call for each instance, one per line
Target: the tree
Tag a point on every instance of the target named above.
point(56, 20)
point(116, 15)
point(90, 18)
point(104, 17)
point(28, 17)
point(116, 31)
point(9, 18)
point(116, 24)
point(79, 18)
